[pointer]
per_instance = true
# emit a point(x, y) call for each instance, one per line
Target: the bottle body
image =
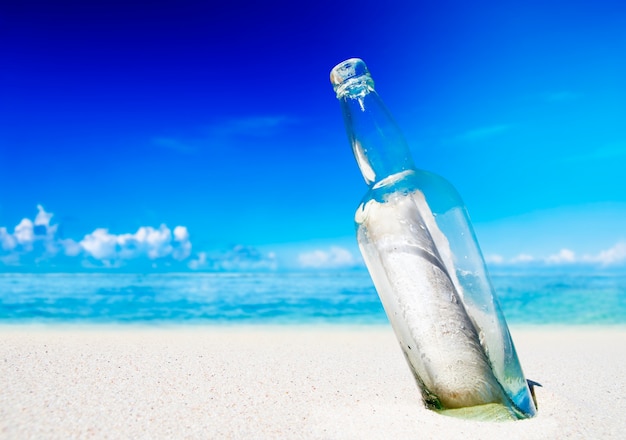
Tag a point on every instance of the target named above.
point(421, 252)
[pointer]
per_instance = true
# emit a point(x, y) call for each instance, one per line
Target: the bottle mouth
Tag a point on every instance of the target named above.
point(351, 78)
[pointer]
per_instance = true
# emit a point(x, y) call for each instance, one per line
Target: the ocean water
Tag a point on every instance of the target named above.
point(283, 298)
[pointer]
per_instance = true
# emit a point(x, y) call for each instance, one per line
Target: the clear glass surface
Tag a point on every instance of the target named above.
point(422, 254)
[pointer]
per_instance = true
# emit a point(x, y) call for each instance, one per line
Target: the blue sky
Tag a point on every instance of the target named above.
point(206, 136)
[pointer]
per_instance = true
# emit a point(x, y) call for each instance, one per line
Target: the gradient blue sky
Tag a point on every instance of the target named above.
point(205, 135)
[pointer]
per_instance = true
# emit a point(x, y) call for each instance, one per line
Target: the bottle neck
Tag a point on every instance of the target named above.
point(377, 143)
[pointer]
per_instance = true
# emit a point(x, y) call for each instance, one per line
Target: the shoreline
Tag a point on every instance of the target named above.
point(284, 381)
point(243, 325)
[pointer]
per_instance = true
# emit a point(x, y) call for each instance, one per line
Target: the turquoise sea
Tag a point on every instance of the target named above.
point(284, 298)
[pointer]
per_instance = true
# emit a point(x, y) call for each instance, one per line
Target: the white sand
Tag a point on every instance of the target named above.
point(284, 382)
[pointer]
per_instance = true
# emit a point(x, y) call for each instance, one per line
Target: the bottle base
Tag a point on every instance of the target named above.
point(490, 412)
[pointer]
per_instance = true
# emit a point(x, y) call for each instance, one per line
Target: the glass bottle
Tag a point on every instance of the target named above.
point(419, 247)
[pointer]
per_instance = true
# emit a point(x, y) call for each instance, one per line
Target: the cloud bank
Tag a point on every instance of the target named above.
point(614, 256)
point(239, 258)
point(35, 244)
point(147, 242)
point(335, 257)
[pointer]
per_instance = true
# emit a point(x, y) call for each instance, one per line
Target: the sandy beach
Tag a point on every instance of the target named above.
point(324, 382)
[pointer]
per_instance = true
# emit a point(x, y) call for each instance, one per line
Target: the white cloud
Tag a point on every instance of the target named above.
point(7, 240)
point(239, 258)
point(146, 242)
point(332, 258)
point(29, 234)
point(181, 233)
point(182, 248)
point(70, 247)
point(43, 219)
point(27, 231)
point(200, 262)
point(24, 232)
point(523, 258)
point(156, 243)
point(564, 256)
point(10, 259)
point(494, 259)
point(613, 255)
point(99, 244)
